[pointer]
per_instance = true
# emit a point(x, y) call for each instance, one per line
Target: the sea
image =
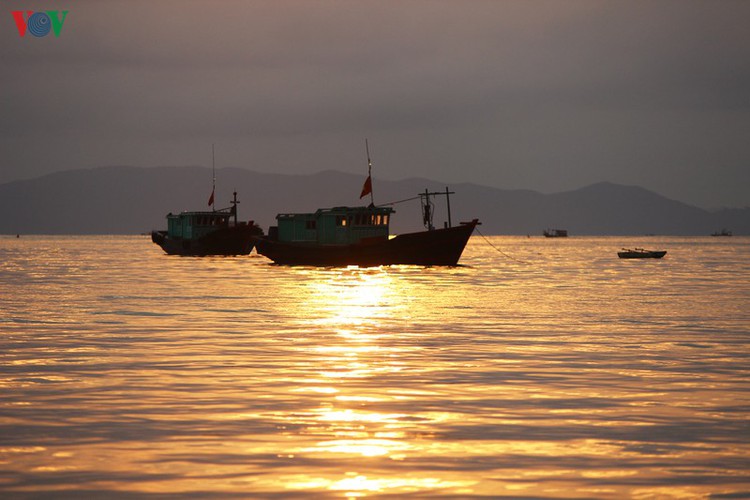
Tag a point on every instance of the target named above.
point(537, 369)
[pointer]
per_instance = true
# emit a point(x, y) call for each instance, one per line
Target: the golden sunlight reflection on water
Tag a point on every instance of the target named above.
point(563, 373)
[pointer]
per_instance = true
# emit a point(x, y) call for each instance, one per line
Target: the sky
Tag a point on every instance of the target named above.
point(548, 95)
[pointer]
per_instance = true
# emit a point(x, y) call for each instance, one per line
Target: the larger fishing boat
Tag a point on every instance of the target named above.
point(201, 233)
point(360, 236)
point(344, 236)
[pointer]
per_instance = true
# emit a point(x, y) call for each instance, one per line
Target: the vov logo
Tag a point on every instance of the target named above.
point(39, 23)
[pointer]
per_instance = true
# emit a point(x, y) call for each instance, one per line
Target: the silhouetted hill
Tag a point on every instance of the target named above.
point(127, 200)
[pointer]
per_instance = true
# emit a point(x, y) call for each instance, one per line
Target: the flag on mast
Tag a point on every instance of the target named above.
point(367, 188)
point(213, 169)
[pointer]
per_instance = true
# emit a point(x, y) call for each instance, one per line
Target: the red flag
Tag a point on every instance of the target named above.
point(367, 188)
point(211, 199)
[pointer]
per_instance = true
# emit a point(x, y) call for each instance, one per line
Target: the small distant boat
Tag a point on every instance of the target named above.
point(207, 233)
point(555, 233)
point(723, 232)
point(640, 253)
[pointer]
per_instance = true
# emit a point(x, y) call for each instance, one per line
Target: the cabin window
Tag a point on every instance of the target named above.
point(385, 220)
point(341, 220)
point(365, 219)
point(310, 224)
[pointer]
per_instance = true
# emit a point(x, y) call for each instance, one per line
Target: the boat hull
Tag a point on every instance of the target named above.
point(236, 240)
point(439, 247)
point(642, 254)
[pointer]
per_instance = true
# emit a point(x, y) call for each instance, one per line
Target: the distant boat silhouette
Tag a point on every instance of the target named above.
point(723, 232)
point(555, 233)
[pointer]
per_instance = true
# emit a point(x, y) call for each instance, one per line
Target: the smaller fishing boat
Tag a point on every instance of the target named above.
point(555, 233)
point(723, 232)
point(202, 233)
point(217, 232)
point(641, 253)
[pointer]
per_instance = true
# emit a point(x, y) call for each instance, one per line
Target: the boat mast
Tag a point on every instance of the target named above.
point(369, 171)
point(428, 207)
point(427, 210)
point(448, 201)
point(234, 207)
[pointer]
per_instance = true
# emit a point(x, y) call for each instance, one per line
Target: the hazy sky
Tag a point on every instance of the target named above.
point(544, 95)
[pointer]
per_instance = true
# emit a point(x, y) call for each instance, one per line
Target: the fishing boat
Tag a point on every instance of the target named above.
point(555, 233)
point(360, 236)
point(215, 232)
point(201, 233)
point(640, 253)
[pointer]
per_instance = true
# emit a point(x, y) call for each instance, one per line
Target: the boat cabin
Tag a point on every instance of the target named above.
point(194, 225)
point(335, 226)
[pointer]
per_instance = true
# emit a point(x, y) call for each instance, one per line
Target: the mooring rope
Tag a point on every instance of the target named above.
point(475, 229)
point(500, 251)
point(399, 201)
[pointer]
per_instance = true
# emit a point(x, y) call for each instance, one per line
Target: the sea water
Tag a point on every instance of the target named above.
point(540, 368)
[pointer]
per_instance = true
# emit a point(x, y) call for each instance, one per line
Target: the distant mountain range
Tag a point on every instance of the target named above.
point(131, 200)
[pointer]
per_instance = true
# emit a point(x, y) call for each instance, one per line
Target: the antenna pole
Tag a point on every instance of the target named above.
point(369, 171)
point(234, 207)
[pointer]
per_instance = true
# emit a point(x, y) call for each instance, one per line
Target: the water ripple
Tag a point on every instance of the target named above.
point(571, 375)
